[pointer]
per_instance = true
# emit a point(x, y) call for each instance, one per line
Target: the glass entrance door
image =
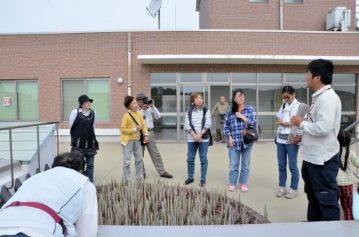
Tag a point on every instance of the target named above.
point(215, 92)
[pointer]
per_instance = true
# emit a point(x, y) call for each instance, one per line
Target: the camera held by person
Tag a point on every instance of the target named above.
point(147, 101)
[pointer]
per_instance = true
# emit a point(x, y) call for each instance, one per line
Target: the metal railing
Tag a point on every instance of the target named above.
point(37, 125)
point(350, 127)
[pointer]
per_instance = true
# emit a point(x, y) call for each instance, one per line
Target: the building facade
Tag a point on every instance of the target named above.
point(41, 75)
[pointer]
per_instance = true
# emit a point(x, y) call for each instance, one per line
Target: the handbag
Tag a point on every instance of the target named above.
point(208, 135)
point(142, 136)
point(250, 135)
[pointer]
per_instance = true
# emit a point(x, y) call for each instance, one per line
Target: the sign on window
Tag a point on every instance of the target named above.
point(6, 101)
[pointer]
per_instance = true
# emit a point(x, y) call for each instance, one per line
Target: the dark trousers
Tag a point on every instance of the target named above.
point(320, 185)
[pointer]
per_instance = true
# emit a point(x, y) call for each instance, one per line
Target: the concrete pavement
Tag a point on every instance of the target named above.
point(263, 180)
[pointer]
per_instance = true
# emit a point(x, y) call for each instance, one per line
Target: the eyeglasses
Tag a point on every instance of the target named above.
point(286, 97)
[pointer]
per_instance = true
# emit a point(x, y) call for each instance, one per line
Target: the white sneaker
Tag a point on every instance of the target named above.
point(281, 192)
point(291, 194)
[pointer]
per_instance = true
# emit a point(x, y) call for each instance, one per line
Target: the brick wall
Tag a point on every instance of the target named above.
point(50, 58)
point(234, 14)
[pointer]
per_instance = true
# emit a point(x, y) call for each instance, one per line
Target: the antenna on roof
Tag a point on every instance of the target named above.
point(155, 10)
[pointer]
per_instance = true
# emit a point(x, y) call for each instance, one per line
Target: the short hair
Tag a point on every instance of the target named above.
point(323, 68)
point(194, 95)
point(288, 89)
point(72, 160)
point(128, 100)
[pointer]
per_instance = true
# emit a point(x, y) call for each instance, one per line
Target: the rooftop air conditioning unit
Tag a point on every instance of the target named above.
point(338, 19)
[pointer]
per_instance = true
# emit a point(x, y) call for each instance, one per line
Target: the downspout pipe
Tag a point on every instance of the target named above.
point(280, 14)
point(129, 80)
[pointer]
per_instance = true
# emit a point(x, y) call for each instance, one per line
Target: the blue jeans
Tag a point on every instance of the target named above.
point(90, 167)
point(234, 158)
point(191, 155)
point(290, 151)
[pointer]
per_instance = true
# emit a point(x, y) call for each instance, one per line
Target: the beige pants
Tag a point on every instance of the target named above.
point(154, 153)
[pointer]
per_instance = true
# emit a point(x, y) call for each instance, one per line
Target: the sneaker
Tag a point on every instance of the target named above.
point(291, 194)
point(188, 181)
point(244, 188)
point(231, 188)
point(166, 175)
point(281, 192)
point(202, 183)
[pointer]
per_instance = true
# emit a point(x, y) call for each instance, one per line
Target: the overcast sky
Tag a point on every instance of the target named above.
point(20, 16)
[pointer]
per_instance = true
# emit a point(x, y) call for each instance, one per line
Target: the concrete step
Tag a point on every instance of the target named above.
point(307, 229)
point(5, 166)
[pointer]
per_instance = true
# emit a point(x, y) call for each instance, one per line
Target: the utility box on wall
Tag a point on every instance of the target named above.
point(338, 19)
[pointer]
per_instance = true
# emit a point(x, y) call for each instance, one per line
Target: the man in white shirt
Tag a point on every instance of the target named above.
point(58, 202)
point(150, 112)
point(320, 146)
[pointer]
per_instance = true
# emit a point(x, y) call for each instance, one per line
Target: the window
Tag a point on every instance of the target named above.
point(218, 77)
point(164, 94)
point(97, 89)
point(270, 98)
point(345, 86)
point(293, 1)
point(241, 77)
point(270, 78)
point(163, 78)
point(191, 77)
point(19, 101)
point(165, 98)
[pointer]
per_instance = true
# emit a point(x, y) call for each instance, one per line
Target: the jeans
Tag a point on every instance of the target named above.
point(191, 155)
point(135, 148)
point(90, 167)
point(320, 185)
point(234, 158)
point(290, 151)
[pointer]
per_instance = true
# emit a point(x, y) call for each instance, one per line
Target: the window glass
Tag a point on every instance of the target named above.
point(343, 78)
point(270, 78)
point(270, 98)
point(166, 127)
point(267, 126)
point(191, 77)
point(71, 90)
point(347, 96)
point(8, 107)
point(28, 105)
point(99, 91)
point(244, 78)
point(217, 77)
point(163, 78)
point(165, 98)
point(249, 94)
point(295, 78)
